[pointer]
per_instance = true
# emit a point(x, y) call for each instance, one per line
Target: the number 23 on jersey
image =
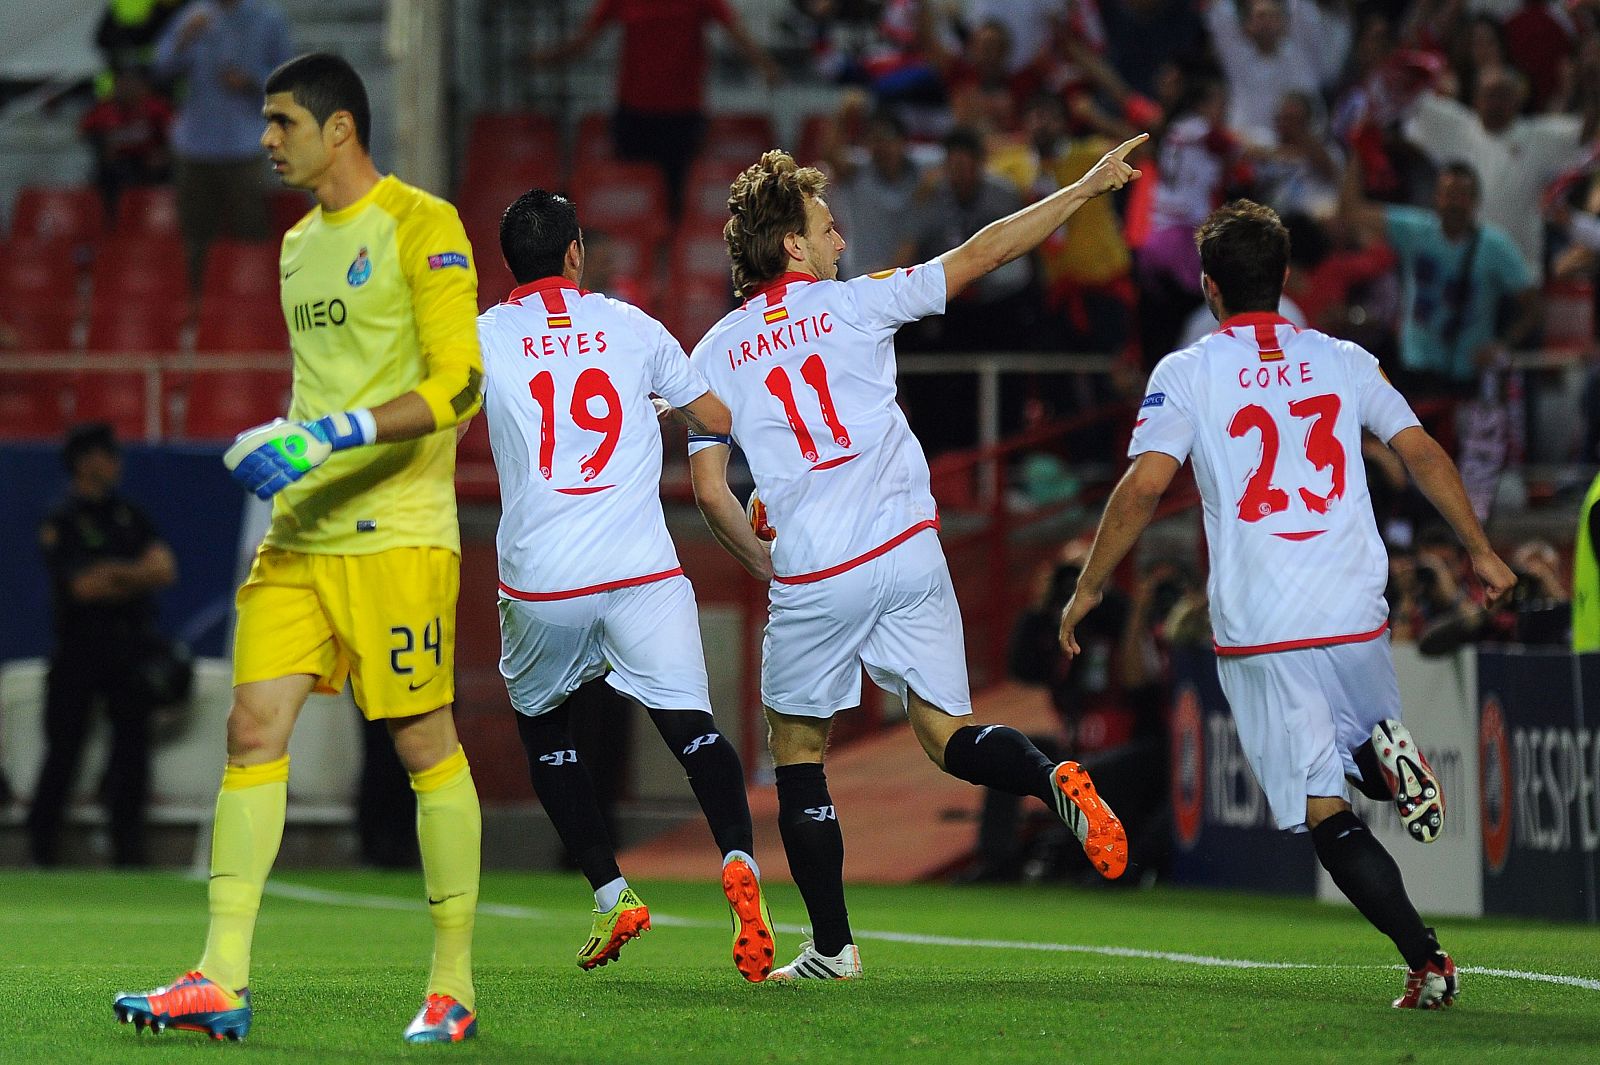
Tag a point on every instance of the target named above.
point(1261, 497)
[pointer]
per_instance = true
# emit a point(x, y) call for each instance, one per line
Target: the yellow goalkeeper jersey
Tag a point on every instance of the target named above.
point(381, 298)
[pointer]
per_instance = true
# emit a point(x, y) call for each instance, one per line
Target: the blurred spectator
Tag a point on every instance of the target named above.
point(1514, 157)
point(1299, 173)
point(1323, 279)
point(128, 32)
point(1457, 273)
point(106, 561)
point(1271, 47)
point(1534, 36)
point(661, 76)
point(224, 50)
point(1537, 614)
point(1142, 35)
point(983, 89)
point(1034, 25)
point(1586, 574)
point(1088, 297)
point(873, 200)
point(960, 198)
point(128, 132)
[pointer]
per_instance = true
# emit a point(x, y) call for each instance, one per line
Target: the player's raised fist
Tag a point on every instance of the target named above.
point(270, 457)
point(1112, 171)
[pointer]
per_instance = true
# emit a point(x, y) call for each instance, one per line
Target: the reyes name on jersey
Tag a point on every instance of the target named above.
point(1272, 417)
point(568, 378)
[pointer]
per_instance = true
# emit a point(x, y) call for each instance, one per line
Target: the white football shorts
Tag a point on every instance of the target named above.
point(896, 614)
point(647, 636)
point(1301, 713)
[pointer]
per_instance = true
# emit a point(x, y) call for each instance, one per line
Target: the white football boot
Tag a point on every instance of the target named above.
point(1417, 794)
point(845, 965)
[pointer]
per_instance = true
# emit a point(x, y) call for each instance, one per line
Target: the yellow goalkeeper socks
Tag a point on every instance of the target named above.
point(244, 843)
point(449, 832)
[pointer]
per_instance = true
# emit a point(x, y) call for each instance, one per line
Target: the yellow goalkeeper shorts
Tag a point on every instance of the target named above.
point(387, 621)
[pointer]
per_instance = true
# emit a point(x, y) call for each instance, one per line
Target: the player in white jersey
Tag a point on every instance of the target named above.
point(589, 580)
point(807, 367)
point(1272, 418)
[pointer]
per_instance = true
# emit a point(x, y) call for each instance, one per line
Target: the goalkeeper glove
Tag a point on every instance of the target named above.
point(270, 457)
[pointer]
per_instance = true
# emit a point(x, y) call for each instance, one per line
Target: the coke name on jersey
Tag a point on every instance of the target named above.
point(550, 345)
point(1269, 376)
point(780, 338)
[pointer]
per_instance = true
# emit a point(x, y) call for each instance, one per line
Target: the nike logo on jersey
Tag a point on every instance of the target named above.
point(291, 273)
point(701, 741)
point(822, 813)
point(559, 757)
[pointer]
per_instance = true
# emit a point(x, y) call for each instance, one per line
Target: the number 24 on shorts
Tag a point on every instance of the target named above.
point(405, 646)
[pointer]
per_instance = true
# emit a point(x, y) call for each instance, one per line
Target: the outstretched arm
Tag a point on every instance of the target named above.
point(1439, 480)
point(1015, 235)
point(1128, 511)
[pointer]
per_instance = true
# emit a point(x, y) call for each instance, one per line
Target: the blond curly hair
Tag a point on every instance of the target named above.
point(767, 202)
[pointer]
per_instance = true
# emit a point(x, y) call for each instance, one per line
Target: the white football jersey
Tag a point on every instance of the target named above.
point(1272, 417)
point(808, 369)
point(567, 381)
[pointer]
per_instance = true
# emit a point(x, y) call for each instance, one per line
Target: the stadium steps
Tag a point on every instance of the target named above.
point(903, 820)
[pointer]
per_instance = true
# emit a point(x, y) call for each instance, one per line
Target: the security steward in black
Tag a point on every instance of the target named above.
point(106, 562)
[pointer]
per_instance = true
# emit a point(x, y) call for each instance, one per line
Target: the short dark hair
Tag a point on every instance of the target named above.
point(86, 439)
point(1244, 249)
point(964, 139)
point(323, 83)
point(535, 232)
point(1460, 168)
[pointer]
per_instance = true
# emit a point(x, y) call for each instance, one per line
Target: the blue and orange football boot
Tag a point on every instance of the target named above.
point(193, 1003)
point(442, 1020)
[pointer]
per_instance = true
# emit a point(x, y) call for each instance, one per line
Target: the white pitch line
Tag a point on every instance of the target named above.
point(302, 893)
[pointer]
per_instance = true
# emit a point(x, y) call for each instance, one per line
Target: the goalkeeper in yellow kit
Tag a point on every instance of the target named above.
point(359, 572)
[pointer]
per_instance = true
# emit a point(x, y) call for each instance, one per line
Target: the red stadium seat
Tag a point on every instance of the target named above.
point(118, 397)
point(623, 198)
point(741, 137)
point(148, 211)
point(39, 292)
point(34, 404)
point(700, 253)
point(135, 327)
point(241, 270)
point(74, 213)
point(142, 268)
point(706, 194)
point(241, 326)
point(522, 142)
point(286, 207)
point(223, 403)
point(594, 141)
point(694, 305)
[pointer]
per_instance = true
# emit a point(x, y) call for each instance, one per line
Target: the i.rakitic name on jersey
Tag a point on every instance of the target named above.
point(768, 341)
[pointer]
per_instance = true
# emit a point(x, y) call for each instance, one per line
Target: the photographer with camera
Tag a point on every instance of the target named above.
point(1536, 615)
point(1109, 708)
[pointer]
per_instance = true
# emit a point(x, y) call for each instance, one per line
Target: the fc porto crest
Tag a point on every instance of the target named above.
point(360, 271)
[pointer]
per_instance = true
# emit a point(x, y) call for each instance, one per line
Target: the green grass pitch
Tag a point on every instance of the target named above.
point(340, 960)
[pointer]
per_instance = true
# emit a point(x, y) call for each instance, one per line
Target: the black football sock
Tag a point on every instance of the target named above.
point(1000, 757)
point(1371, 782)
point(1368, 876)
point(566, 791)
point(815, 847)
point(715, 774)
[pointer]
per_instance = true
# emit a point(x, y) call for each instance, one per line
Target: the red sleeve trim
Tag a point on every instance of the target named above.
point(843, 567)
point(573, 593)
point(1299, 645)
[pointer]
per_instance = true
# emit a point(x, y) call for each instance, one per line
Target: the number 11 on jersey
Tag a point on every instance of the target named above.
point(815, 373)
